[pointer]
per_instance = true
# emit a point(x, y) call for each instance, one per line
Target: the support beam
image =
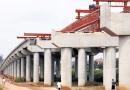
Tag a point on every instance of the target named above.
point(66, 67)
point(28, 69)
point(124, 62)
point(81, 67)
point(110, 67)
point(36, 67)
point(47, 67)
point(91, 68)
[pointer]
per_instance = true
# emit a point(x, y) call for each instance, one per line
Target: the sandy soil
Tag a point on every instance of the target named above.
point(11, 86)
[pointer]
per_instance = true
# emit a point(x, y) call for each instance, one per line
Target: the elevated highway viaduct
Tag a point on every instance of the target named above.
point(36, 59)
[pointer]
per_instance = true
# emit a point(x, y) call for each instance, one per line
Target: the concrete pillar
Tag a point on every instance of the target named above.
point(42, 68)
point(124, 62)
point(32, 67)
point(28, 69)
point(12, 69)
point(81, 67)
point(36, 68)
point(52, 70)
point(15, 69)
point(9, 70)
point(110, 67)
point(66, 67)
point(58, 68)
point(104, 67)
point(18, 68)
point(47, 67)
point(76, 67)
point(91, 68)
point(22, 68)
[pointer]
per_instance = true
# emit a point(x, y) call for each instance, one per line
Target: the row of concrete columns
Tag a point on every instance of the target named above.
point(64, 67)
point(17, 68)
point(109, 72)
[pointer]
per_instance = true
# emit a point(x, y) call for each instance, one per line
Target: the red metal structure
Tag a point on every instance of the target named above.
point(87, 23)
point(126, 8)
point(91, 22)
point(42, 36)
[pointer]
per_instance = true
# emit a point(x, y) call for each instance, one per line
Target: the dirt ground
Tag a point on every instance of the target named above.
point(9, 85)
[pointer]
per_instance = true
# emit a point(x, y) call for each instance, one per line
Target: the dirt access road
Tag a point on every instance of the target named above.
point(10, 86)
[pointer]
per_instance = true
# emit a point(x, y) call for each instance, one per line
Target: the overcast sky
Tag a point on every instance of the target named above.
point(36, 16)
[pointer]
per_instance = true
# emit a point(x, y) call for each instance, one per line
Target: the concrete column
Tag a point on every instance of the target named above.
point(81, 67)
point(15, 69)
point(42, 68)
point(124, 62)
point(110, 67)
point(9, 70)
point(18, 68)
point(12, 69)
point(22, 68)
point(76, 67)
point(47, 67)
point(104, 67)
point(58, 68)
point(36, 68)
point(91, 68)
point(52, 69)
point(66, 67)
point(32, 67)
point(28, 69)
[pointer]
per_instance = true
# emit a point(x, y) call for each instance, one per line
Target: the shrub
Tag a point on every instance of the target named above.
point(98, 75)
